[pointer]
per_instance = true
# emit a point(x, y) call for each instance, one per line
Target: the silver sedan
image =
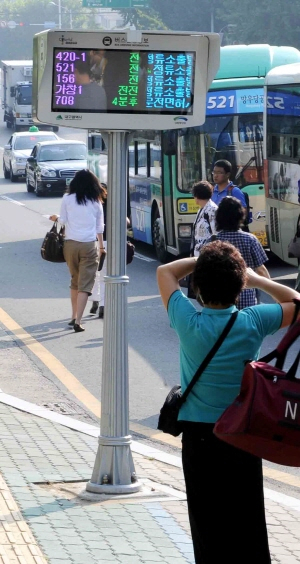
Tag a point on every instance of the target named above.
point(18, 149)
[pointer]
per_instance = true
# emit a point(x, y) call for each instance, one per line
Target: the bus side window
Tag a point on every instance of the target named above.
point(155, 161)
point(142, 159)
point(275, 148)
point(169, 142)
point(131, 159)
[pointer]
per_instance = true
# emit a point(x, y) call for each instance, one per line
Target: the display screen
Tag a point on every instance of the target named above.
point(132, 81)
point(243, 100)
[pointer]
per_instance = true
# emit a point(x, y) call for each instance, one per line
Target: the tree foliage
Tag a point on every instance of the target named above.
point(261, 21)
point(32, 14)
point(258, 21)
point(276, 22)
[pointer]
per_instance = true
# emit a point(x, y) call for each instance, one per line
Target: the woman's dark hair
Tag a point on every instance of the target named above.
point(202, 190)
point(86, 186)
point(220, 274)
point(230, 214)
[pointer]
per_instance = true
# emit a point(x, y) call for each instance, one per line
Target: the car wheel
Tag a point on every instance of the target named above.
point(28, 185)
point(5, 171)
point(13, 177)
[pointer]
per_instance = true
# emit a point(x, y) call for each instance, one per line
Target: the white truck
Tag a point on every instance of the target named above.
point(17, 94)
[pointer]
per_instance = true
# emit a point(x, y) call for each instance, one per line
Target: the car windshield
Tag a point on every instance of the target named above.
point(30, 141)
point(63, 153)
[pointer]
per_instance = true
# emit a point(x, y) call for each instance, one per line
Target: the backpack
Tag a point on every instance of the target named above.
point(248, 216)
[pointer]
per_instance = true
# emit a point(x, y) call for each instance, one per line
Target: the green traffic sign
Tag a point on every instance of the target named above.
point(115, 4)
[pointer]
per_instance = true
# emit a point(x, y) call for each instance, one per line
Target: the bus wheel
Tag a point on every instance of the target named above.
point(158, 238)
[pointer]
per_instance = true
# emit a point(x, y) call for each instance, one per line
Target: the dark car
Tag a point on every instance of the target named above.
point(52, 165)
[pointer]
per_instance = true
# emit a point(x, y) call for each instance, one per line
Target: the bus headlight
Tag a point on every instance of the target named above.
point(185, 230)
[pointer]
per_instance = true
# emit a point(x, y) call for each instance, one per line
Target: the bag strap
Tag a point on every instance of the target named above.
point(206, 217)
point(209, 356)
point(298, 227)
point(54, 227)
point(289, 338)
point(291, 374)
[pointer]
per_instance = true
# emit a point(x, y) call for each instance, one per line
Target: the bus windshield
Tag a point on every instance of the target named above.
point(237, 139)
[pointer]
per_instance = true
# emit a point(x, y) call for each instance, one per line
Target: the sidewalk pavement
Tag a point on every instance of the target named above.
point(46, 516)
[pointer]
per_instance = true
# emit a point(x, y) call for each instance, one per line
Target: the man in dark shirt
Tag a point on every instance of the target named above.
point(89, 95)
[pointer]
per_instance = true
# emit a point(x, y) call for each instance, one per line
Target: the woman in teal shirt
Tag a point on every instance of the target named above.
point(224, 485)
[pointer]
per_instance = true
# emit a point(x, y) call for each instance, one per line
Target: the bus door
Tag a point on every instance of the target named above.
point(169, 179)
point(97, 155)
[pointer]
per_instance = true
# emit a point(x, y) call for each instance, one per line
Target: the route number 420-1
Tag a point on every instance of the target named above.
point(275, 102)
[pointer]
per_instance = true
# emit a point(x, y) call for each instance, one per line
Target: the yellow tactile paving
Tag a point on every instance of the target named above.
point(17, 544)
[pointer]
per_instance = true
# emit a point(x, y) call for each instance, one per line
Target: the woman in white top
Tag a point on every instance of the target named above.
point(204, 225)
point(82, 215)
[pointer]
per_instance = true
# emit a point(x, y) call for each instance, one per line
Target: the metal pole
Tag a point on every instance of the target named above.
point(212, 18)
point(114, 468)
point(59, 14)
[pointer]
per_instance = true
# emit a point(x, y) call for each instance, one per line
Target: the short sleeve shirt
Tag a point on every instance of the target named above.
point(252, 253)
point(235, 192)
point(204, 225)
point(198, 331)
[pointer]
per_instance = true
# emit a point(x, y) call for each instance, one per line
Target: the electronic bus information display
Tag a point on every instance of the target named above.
point(116, 80)
point(146, 82)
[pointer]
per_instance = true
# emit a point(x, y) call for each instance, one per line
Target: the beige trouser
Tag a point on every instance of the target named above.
point(82, 260)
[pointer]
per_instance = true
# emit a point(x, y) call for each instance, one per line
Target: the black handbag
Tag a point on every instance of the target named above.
point(168, 418)
point(53, 244)
point(129, 252)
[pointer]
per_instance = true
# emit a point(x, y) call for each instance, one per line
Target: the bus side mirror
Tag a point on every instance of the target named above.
point(169, 145)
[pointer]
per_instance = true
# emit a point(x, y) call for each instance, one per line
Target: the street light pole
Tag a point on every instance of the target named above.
point(227, 26)
point(60, 8)
point(59, 14)
point(212, 18)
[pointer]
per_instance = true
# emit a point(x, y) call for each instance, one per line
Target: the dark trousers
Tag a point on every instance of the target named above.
point(225, 498)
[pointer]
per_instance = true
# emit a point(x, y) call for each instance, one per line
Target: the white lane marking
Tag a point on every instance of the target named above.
point(11, 200)
point(282, 499)
point(142, 257)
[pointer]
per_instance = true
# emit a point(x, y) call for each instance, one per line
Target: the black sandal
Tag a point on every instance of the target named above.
point(78, 328)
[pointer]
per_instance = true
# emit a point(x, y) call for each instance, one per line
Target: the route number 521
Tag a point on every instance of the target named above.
point(220, 102)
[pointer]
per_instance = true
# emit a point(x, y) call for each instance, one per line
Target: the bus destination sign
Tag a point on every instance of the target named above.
point(133, 81)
